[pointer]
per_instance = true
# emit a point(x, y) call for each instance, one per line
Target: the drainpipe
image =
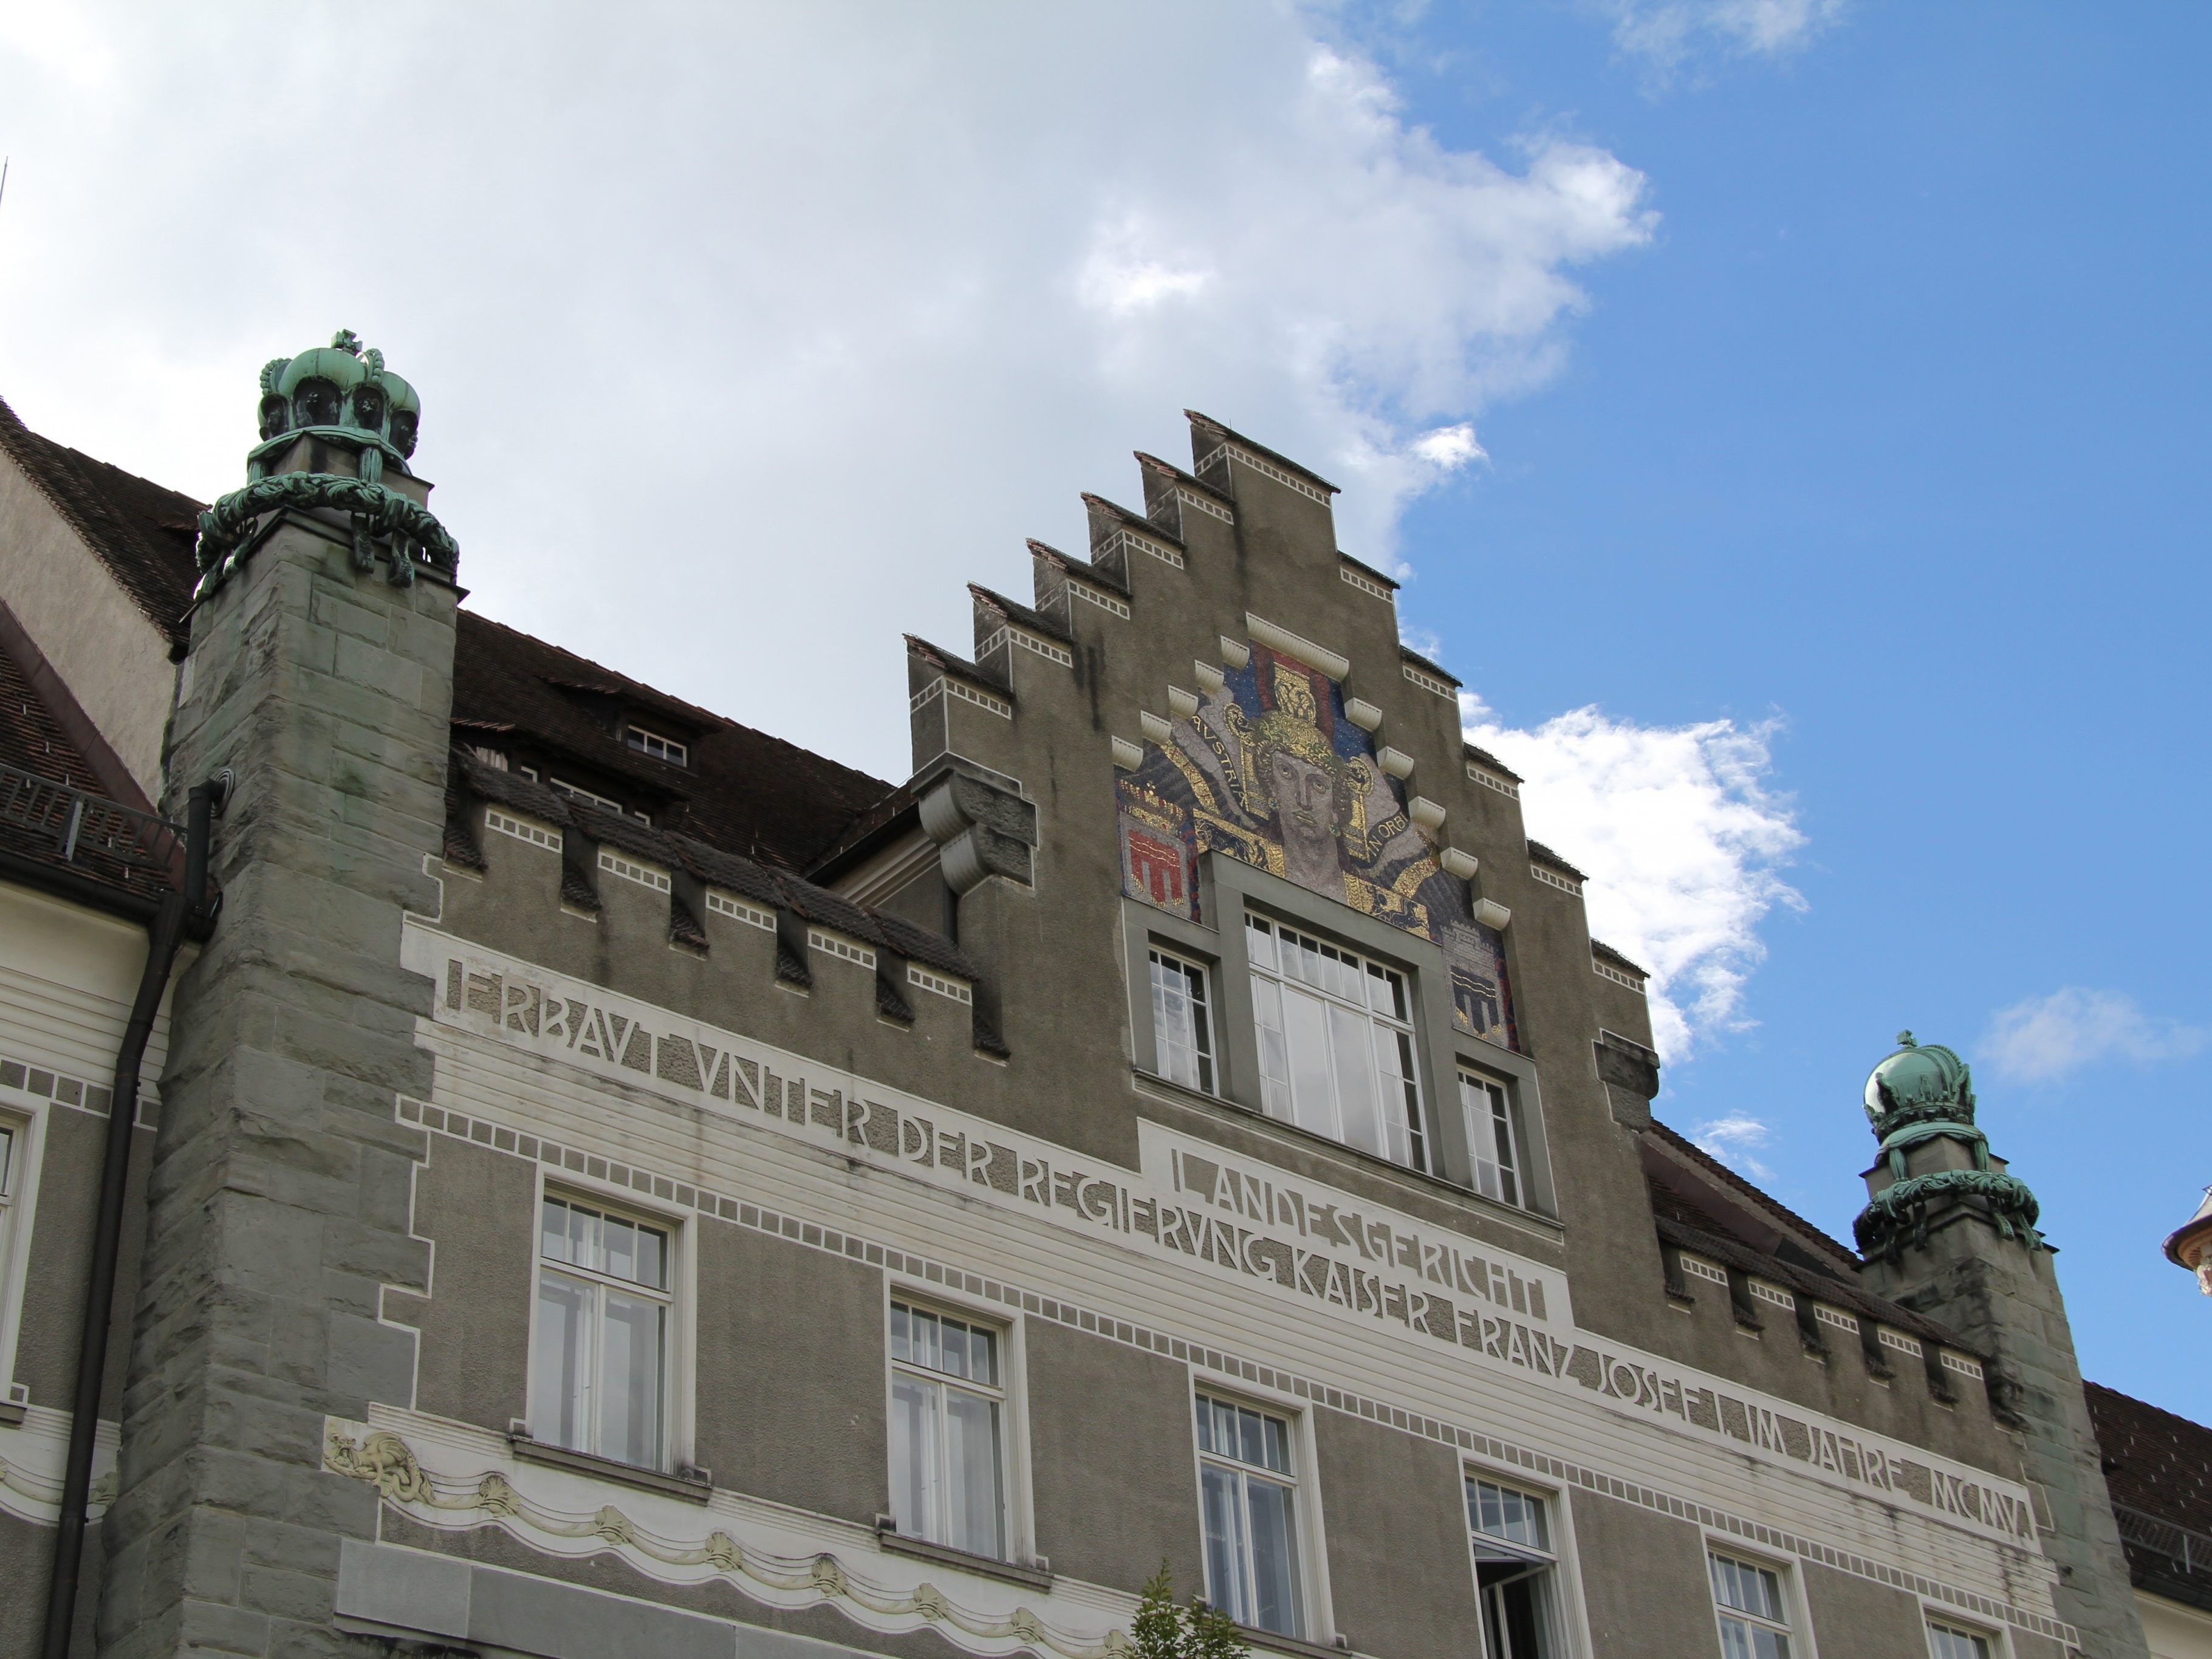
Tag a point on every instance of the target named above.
point(181, 915)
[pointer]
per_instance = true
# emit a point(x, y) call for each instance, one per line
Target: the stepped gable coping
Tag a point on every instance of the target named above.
point(744, 789)
point(143, 531)
point(2157, 1462)
point(712, 865)
point(1368, 570)
point(1600, 949)
point(1136, 521)
point(1406, 653)
point(1190, 479)
point(1484, 757)
point(1208, 423)
point(1544, 854)
point(1020, 615)
point(1786, 1220)
point(1081, 569)
point(938, 657)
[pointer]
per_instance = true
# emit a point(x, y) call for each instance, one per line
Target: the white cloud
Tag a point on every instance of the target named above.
point(1737, 1141)
point(1450, 447)
point(1683, 841)
point(1669, 33)
point(746, 334)
point(2044, 1039)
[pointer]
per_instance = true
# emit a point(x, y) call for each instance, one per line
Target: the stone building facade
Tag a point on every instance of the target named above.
point(624, 1184)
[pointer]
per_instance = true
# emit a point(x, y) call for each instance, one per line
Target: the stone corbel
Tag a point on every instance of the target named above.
point(981, 829)
point(1630, 1073)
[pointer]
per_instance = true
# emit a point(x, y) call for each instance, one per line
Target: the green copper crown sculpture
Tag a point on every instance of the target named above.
point(1916, 1095)
point(344, 396)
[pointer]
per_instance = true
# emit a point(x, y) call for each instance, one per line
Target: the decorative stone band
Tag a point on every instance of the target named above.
point(31, 1456)
point(1219, 455)
point(1899, 1212)
point(378, 514)
point(1364, 584)
point(1553, 878)
point(762, 1552)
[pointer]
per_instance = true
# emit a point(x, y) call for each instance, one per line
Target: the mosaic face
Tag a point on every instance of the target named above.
point(1270, 772)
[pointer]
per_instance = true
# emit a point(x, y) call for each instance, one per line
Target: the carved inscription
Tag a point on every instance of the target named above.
point(1203, 1206)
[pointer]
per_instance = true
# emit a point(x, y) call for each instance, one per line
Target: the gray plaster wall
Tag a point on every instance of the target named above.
point(1112, 1460)
point(61, 1255)
point(1401, 1576)
point(1851, 1615)
point(793, 1401)
point(27, 1564)
point(1644, 1582)
point(477, 1208)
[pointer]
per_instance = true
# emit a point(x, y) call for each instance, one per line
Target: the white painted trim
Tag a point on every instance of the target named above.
point(629, 869)
point(724, 904)
point(1429, 682)
point(529, 829)
point(1367, 584)
point(1275, 637)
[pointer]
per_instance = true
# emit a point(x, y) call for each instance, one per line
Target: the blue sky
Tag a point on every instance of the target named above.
point(1782, 411)
point(1894, 434)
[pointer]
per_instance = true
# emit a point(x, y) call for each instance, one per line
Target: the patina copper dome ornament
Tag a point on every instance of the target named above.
point(328, 407)
point(1916, 1099)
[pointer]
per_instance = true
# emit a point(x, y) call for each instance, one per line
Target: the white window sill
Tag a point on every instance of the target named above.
point(945, 1555)
point(692, 1490)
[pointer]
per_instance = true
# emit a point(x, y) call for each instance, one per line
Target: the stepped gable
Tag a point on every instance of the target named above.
point(1605, 953)
point(142, 532)
point(744, 791)
point(2158, 1465)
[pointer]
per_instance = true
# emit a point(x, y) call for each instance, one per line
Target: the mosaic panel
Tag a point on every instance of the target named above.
point(1270, 772)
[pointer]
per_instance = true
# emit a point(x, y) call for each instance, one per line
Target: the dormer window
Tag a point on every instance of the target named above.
point(647, 741)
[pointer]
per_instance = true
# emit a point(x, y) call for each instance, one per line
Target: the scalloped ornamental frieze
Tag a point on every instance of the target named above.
point(455, 1478)
point(31, 1456)
point(1329, 1254)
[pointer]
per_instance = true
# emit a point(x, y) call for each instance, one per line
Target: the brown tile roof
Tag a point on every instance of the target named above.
point(141, 532)
point(34, 817)
point(744, 791)
point(1786, 1220)
point(2158, 1469)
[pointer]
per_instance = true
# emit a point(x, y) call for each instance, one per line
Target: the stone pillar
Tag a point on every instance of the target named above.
point(1951, 1234)
point(320, 672)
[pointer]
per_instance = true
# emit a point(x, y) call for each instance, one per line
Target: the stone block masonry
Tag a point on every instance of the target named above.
point(279, 1186)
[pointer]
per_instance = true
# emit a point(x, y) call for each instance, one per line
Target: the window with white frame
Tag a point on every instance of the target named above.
point(11, 1149)
point(1491, 1143)
point(948, 1428)
point(1336, 1042)
point(652, 743)
point(1951, 1641)
point(1515, 1570)
point(1753, 1616)
point(1248, 1492)
point(1183, 1023)
point(600, 1379)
